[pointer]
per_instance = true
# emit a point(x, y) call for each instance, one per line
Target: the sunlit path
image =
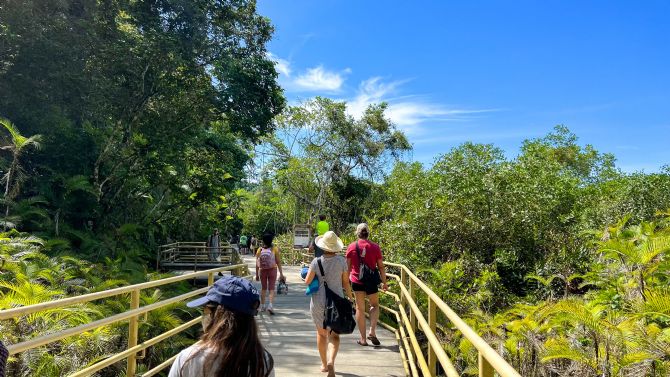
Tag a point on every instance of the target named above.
point(290, 336)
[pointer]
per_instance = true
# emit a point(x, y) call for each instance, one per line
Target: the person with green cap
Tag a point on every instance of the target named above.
point(322, 226)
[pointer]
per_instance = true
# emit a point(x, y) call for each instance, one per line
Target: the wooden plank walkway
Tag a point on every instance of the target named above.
point(290, 336)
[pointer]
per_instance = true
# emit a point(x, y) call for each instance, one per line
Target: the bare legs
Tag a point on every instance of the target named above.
point(360, 314)
point(328, 346)
point(374, 313)
point(264, 293)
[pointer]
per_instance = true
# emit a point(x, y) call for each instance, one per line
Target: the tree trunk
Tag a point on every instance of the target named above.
point(56, 218)
point(9, 177)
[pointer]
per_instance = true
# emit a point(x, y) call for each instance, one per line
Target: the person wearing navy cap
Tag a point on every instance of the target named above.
point(230, 344)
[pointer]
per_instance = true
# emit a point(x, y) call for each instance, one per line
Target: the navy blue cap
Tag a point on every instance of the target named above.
point(234, 293)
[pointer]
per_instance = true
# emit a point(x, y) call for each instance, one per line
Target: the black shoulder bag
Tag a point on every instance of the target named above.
point(339, 315)
point(366, 275)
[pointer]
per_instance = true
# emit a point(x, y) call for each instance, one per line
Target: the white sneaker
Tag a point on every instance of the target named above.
point(270, 309)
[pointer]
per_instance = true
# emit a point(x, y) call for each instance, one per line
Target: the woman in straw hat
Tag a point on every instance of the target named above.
point(337, 278)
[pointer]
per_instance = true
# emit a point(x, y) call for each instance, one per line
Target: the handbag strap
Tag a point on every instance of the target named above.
point(358, 252)
point(325, 285)
point(323, 275)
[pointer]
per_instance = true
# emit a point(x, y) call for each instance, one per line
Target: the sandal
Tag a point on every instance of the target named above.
point(361, 343)
point(374, 340)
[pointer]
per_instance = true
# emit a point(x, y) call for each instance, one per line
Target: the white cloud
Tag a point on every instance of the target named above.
point(318, 78)
point(409, 112)
point(311, 80)
point(281, 65)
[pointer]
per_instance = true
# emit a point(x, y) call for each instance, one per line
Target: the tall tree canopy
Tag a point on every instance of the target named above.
point(328, 160)
point(153, 102)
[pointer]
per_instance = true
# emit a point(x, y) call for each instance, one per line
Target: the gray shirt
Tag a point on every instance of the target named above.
point(333, 268)
point(214, 241)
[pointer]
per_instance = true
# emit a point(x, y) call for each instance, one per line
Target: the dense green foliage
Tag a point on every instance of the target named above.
point(130, 123)
point(517, 249)
point(532, 250)
point(145, 111)
point(125, 124)
point(31, 276)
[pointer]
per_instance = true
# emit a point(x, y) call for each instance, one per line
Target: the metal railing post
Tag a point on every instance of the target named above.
point(432, 323)
point(210, 279)
point(412, 295)
point(195, 264)
point(133, 331)
point(485, 368)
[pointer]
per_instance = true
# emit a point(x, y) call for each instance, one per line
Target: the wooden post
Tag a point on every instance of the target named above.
point(210, 279)
point(485, 369)
point(133, 327)
point(432, 323)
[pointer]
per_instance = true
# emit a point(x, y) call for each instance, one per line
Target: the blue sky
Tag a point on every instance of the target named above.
point(483, 71)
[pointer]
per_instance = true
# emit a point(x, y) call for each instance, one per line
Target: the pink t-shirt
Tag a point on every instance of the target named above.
point(370, 252)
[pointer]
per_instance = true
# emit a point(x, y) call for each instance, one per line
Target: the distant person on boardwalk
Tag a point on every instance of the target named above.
point(248, 244)
point(322, 226)
point(230, 344)
point(254, 242)
point(369, 253)
point(337, 278)
point(214, 245)
point(243, 244)
point(268, 262)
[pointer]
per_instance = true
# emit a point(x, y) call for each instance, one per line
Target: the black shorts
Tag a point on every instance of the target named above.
point(368, 289)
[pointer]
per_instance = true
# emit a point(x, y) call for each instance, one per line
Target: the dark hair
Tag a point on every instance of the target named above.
point(231, 341)
point(322, 217)
point(267, 239)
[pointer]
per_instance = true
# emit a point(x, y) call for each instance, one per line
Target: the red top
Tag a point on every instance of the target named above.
point(370, 252)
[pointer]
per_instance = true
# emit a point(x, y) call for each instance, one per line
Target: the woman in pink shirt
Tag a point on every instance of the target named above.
point(365, 251)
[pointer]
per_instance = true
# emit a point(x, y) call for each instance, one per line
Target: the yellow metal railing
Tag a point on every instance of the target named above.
point(132, 316)
point(410, 318)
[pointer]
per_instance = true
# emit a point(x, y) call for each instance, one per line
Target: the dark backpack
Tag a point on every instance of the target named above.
point(366, 275)
point(339, 314)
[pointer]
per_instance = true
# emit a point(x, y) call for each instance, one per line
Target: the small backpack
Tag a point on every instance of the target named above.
point(266, 259)
point(368, 276)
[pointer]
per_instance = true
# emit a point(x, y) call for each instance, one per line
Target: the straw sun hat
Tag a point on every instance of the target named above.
point(329, 241)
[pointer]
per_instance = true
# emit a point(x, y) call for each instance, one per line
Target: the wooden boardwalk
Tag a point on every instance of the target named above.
point(290, 335)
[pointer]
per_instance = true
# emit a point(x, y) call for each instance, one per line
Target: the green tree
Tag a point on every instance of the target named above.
point(15, 174)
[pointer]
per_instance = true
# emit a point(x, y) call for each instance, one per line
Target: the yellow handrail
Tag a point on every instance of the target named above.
point(132, 315)
point(489, 359)
point(408, 316)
